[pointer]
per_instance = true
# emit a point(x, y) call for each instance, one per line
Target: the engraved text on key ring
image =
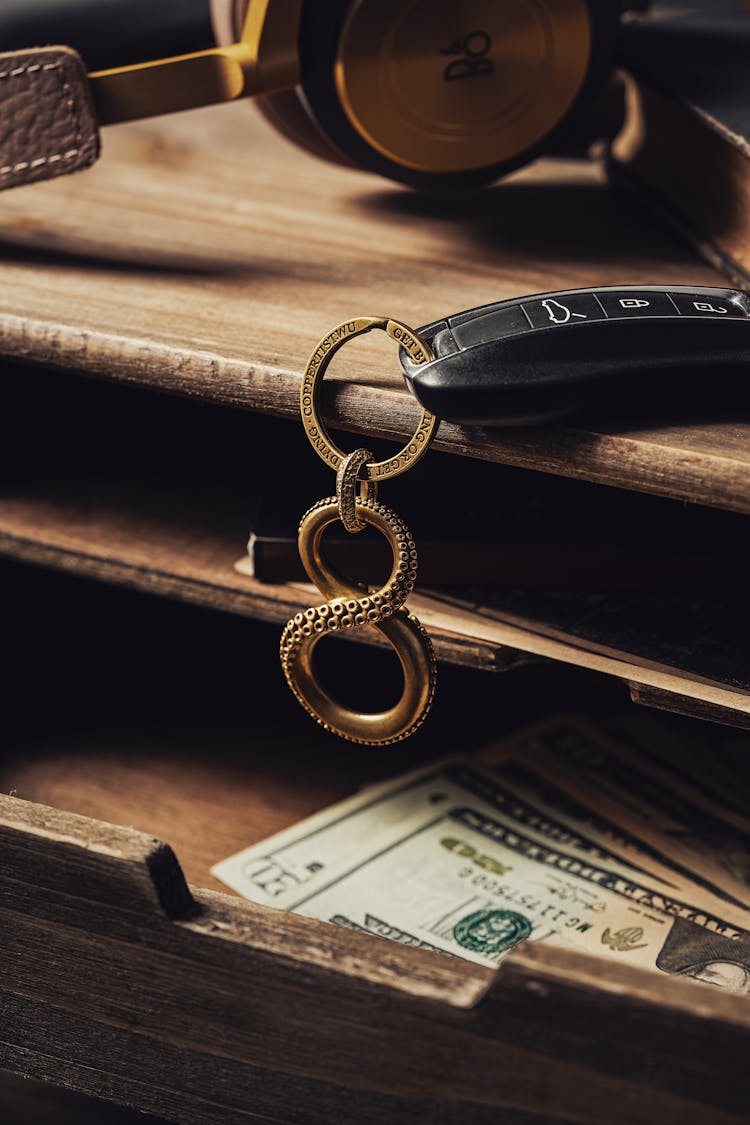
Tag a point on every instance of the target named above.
point(419, 352)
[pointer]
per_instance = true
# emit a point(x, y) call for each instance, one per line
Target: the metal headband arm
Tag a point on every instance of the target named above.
point(264, 59)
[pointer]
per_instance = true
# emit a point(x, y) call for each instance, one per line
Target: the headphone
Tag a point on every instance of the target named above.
point(438, 94)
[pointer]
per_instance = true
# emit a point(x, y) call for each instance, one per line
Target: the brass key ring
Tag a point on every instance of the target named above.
point(419, 352)
point(351, 604)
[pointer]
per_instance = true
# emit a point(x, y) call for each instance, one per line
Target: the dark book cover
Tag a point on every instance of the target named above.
point(685, 150)
point(702, 636)
point(544, 533)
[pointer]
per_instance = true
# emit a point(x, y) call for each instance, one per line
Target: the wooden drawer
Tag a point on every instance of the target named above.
point(124, 973)
point(121, 981)
point(169, 510)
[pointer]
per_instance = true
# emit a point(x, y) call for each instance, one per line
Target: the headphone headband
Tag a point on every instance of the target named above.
point(424, 91)
point(263, 59)
point(55, 130)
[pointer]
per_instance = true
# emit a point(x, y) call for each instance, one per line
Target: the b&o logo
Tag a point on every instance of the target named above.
point(472, 57)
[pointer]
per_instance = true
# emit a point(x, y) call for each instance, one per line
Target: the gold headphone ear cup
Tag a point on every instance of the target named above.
point(287, 113)
point(397, 88)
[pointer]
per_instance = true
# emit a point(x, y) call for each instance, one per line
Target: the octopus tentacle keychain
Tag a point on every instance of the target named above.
point(351, 604)
point(522, 361)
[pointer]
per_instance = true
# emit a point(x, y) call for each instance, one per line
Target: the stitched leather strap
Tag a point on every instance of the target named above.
point(47, 122)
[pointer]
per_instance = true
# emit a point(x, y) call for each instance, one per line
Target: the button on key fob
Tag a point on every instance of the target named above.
point(539, 358)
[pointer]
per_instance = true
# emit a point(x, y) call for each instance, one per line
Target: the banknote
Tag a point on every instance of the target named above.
point(713, 759)
point(449, 858)
point(630, 798)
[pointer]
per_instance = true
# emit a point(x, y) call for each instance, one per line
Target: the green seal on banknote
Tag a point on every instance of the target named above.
point(492, 931)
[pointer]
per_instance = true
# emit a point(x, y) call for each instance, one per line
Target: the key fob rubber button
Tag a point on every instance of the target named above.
point(702, 304)
point(632, 303)
point(574, 308)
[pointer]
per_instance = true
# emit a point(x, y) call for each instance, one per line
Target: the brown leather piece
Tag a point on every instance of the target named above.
point(47, 122)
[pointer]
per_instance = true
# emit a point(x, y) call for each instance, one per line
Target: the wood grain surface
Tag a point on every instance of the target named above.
point(27, 1102)
point(159, 494)
point(206, 256)
point(181, 538)
point(119, 982)
point(162, 542)
point(176, 719)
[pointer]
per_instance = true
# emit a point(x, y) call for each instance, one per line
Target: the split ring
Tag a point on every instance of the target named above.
point(419, 352)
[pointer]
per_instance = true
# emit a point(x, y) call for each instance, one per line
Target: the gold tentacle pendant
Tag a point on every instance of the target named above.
point(350, 604)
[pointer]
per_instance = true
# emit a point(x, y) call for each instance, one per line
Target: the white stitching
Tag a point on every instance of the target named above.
point(39, 161)
point(72, 109)
point(28, 69)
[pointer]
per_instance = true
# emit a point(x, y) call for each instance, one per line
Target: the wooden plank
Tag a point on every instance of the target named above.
point(701, 638)
point(222, 1011)
point(25, 1102)
point(205, 256)
point(695, 708)
point(49, 855)
point(666, 684)
point(181, 539)
point(213, 775)
point(175, 541)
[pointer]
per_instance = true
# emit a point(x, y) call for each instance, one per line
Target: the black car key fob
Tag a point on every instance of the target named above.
point(535, 359)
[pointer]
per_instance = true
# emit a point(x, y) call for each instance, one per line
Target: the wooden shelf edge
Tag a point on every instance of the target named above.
point(260, 601)
point(493, 645)
point(616, 459)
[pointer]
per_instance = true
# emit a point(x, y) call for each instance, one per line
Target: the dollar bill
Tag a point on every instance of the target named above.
point(451, 859)
point(630, 798)
point(714, 760)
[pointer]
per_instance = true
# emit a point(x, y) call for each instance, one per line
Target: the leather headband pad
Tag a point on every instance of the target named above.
point(48, 126)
